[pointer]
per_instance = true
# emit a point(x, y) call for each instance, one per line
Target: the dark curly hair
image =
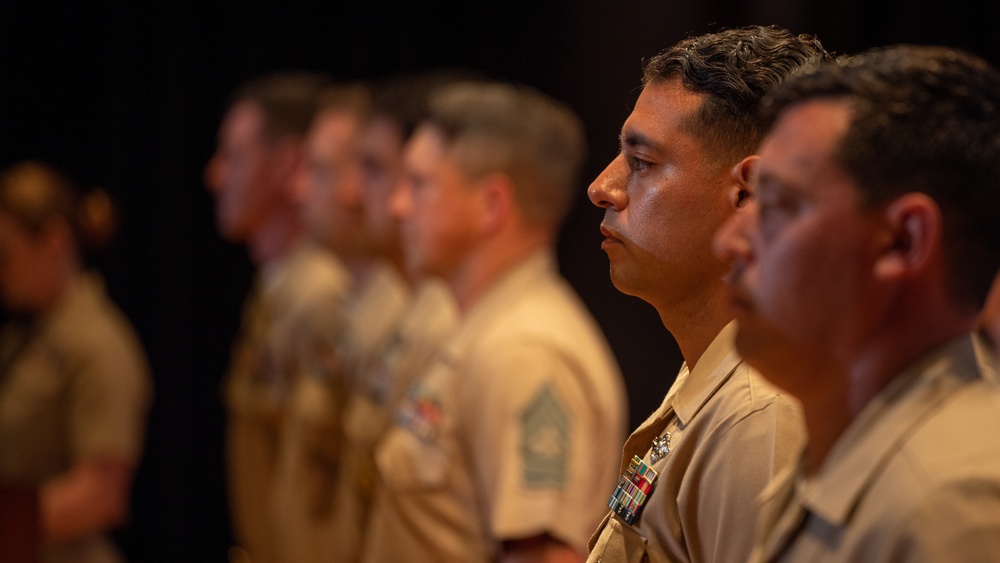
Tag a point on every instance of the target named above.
point(923, 119)
point(734, 68)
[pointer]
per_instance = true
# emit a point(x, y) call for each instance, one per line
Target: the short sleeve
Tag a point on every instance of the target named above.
point(529, 442)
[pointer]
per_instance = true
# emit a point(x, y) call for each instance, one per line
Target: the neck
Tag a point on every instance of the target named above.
point(61, 282)
point(276, 237)
point(696, 322)
point(490, 261)
point(854, 377)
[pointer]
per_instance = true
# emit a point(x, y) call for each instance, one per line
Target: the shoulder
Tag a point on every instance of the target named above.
point(311, 277)
point(747, 396)
point(92, 324)
point(954, 443)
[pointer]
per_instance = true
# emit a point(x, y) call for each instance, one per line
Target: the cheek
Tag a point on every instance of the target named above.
point(676, 222)
point(808, 287)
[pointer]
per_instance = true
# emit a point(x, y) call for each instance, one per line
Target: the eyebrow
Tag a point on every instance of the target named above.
point(632, 138)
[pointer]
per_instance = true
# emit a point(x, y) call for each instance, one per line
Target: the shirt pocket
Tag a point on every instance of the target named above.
point(409, 463)
point(619, 543)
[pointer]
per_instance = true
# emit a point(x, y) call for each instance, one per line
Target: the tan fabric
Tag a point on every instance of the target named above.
point(416, 341)
point(986, 356)
point(311, 444)
point(916, 477)
point(730, 433)
point(77, 387)
point(504, 437)
point(295, 305)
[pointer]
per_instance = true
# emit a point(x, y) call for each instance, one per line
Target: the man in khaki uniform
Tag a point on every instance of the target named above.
point(311, 446)
point(857, 280)
point(397, 107)
point(690, 474)
point(497, 449)
point(298, 293)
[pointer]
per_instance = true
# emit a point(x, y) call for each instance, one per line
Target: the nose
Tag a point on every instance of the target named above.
point(401, 199)
point(608, 189)
point(213, 174)
point(732, 243)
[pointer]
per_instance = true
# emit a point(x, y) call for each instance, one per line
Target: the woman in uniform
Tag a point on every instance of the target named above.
point(74, 382)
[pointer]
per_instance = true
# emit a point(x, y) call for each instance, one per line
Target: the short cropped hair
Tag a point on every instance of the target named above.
point(353, 97)
point(734, 68)
point(516, 130)
point(404, 98)
point(288, 100)
point(923, 119)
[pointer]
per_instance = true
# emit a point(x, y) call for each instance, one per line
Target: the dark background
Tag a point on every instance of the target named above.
point(128, 96)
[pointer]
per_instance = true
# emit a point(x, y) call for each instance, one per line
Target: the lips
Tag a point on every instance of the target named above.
point(610, 236)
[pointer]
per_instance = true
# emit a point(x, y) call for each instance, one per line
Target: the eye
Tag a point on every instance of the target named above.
point(637, 164)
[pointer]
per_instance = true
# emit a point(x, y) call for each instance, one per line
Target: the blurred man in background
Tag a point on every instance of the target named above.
point(298, 289)
point(496, 449)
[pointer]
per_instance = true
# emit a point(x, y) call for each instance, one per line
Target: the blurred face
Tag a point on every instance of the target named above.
point(240, 174)
point(438, 206)
point(330, 190)
point(382, 166)
point(25, 264)
point(803, 254)
point(663, 199)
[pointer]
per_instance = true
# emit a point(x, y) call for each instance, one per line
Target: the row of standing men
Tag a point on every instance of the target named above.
point(413, 380)
point(432, 390)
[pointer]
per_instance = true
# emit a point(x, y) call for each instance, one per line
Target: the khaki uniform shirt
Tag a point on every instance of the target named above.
point(730, 432)
point(75, 385)
point(916, 477)
point(503, 437)
point(294, 304)
point(312, 445)
point(416, 341)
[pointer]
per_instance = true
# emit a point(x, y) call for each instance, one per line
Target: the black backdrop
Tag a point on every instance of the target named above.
point(128, 96)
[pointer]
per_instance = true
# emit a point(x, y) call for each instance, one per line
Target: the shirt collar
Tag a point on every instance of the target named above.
point(713, 368)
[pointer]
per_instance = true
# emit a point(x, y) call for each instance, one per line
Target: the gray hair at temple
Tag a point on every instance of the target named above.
point(535, 140)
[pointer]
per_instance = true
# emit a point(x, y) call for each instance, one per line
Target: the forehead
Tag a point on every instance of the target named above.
point(663, 114)
point(427, 147)
point(383, 133)
point(803, 140)
point(333, 130)
point(244, 120)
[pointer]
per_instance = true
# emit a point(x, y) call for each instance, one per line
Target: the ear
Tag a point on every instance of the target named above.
point(743, 174)
point(913, 237)
point(497, 201)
